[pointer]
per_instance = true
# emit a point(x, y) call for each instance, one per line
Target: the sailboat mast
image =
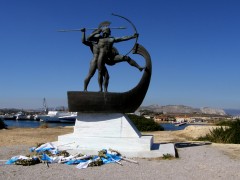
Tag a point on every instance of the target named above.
point(45, 105)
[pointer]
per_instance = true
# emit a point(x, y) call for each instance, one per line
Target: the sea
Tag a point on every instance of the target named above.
point(32, 124)
point(36, 124)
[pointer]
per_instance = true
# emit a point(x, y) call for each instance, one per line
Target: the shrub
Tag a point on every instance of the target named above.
point(2, 124)
point(43, 126)
point(224, 123)
point(144, 124)
point(167, 156)
point(230, 134)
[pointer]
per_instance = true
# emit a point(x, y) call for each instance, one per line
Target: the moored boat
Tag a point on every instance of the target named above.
point(8, 117)
point(68, 119)
point(180, 124)
point(20, 116)
point(55, 116)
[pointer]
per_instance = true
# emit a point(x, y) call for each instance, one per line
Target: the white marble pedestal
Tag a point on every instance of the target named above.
point(96, 131)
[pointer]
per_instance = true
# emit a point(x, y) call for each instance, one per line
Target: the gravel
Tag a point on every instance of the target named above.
point(196, 161)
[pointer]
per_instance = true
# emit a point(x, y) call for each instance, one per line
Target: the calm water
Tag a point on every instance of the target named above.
point(172, 127)
point(32, 123)
point(36, 124)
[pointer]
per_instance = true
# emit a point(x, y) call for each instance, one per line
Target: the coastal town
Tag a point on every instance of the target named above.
point(174, 114)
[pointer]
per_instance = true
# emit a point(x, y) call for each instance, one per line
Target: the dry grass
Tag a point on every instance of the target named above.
point(31, 136)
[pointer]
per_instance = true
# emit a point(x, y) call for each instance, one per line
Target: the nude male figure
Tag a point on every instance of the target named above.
point(108, 54)
point(93, 44)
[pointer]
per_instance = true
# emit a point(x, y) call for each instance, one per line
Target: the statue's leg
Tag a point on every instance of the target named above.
point(106, 79)
point(133, 63)
point(120, 58)
point(100, 66)
point(100, 80)
point(92, 70)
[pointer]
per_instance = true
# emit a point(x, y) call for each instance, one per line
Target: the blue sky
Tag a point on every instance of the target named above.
point(194, 46)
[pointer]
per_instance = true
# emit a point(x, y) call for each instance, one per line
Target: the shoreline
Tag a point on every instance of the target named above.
point(197, 123)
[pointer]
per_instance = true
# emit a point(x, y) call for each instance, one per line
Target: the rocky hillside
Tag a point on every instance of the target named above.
point(182, 109)
point(207, 110)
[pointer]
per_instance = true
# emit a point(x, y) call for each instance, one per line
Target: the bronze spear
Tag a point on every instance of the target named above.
point(71, 30)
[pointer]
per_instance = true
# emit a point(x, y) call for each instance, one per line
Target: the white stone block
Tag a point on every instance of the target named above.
point(104, 125)
point(96, 131)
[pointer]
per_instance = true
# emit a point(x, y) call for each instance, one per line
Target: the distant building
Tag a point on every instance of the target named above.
point(148, 117)
point(236, 117)
point(163, 117)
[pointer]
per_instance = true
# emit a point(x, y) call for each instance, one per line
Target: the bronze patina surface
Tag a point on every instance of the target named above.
point(111, 102)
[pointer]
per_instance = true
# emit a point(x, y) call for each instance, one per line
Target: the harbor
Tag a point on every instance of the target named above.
point(36, 124)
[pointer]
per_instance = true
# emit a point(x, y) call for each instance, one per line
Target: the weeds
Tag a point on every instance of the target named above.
point(229, 134)
point(44, 126)
point(144, 124)
point(167, 156)
point(2, 124)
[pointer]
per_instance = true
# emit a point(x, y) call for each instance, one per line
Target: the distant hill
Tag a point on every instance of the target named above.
point(183, 109)
point(207, 110)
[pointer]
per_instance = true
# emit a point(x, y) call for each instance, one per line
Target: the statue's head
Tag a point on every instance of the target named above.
point(105, 28)
point(106, 32)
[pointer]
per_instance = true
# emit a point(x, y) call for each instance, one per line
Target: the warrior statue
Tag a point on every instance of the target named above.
point(101, 44)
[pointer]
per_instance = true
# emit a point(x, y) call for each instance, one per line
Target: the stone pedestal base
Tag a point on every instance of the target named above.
point(96, 131)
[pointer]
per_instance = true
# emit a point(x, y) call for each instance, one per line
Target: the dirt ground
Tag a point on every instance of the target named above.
point(190, 133)
point(32, 136)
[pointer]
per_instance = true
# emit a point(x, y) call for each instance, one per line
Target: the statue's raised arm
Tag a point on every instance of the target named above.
point(125, 38)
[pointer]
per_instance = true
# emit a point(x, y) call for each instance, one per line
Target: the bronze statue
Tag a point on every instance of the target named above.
point(105, 53)
point(101, 44)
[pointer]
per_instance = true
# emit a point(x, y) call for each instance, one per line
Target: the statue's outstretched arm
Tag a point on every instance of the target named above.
point(125, 38)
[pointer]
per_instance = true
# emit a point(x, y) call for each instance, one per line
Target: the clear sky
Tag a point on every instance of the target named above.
point(194, 46)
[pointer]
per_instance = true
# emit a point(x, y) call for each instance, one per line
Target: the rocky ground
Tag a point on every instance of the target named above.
point(197, 160)
point(32, 136)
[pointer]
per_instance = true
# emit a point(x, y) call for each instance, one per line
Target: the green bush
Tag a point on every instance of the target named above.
point(44, 126)
point(144, 124)
point(2, 124)
point(229, 134)
point(224, 123)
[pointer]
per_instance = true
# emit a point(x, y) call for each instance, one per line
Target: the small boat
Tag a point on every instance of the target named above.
point(56, 116)
point(8, 117)
point(180, 124)
point(20, 116)
point(175, 122)
point(67, 119)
